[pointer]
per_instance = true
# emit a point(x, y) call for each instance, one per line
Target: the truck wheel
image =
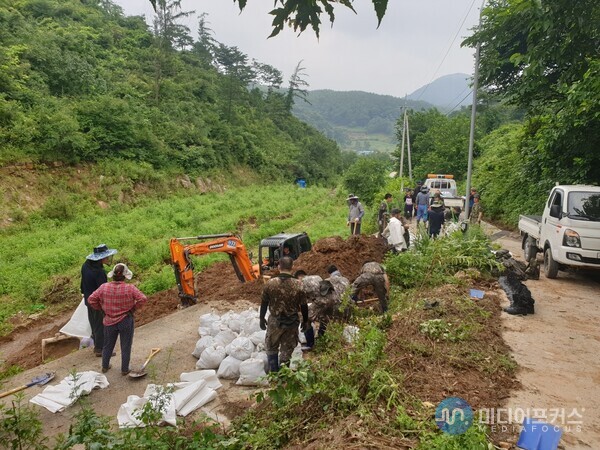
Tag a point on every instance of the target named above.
point(529, 249)
point(550, 266)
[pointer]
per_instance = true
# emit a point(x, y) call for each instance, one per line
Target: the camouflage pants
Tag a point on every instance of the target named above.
point(378, 283)
point(280, 341)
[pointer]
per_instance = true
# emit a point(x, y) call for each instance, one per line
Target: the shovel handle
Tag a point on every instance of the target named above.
point(13, 391)
point(153, 352)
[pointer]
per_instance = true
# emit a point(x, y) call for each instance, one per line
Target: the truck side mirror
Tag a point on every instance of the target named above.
point(555, 211)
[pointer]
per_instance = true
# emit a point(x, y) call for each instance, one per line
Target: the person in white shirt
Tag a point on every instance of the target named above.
point(394, 232)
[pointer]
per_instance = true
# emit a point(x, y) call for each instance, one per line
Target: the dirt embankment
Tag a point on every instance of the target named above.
point(218, 284)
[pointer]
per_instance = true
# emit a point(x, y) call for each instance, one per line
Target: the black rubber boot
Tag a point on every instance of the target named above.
point(273, 363)
point(310, 337)
point(521, 305)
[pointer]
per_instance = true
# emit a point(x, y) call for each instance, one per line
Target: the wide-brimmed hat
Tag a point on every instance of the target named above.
point(437, 205)
point(352, 197)
point(423, 189)
point(126, 272)
point(101, 252)
point(325, 286)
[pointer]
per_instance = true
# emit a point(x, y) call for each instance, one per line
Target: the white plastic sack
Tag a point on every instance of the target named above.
point(229, 368)
point(258, 337)
point(252, 373)
point(206, 320)
point(203, 343)
point(211, 358)
point(129, 412)
point(208, 375)
point(78, 325)
point(350, 333)
point(250, 326)
point(249, 314)
point(263, 357)
point(301, 337)
point(224, 338)
point(240, 348)
point(216, 327)
point(201, 398)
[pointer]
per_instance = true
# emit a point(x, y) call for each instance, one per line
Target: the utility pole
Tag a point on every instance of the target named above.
point(408, 148)
point(473, 114)
point(402, 149)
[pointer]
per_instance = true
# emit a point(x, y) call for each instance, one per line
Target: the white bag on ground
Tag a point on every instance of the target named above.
point(233, 321)
point(250, 326)
point(296, 357)
point(229, 368)
point(224, 338)
point(263, 357)
point(252, 373)
point(203, 343)
point(201, 398)
point(208, 375)
point(301, 337)
point(258, 337)
point(128, 415)
point(240, 348)
point(350, 333)
point(216, 327)
point(211, 357)
point(206, 320)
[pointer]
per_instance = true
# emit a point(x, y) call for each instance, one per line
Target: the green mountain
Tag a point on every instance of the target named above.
point(356, 120)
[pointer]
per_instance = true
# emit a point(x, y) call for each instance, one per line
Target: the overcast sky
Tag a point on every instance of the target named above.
point(396, 59)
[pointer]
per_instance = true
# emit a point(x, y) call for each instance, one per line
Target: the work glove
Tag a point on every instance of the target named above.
point(305, 326)
point(263, 323)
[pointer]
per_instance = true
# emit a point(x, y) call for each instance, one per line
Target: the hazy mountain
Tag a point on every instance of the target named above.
point(446, 92)
point(357, 120)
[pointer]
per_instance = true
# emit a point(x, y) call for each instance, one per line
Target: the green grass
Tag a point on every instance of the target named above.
point(36, 254)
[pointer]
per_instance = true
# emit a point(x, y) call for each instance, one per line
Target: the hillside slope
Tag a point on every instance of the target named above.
point(445, 92)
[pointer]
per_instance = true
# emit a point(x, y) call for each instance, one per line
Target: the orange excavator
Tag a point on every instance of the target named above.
point(269, 252)
point(219, 243)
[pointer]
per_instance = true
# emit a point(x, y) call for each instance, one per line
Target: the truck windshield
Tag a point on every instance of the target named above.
point(584, 206)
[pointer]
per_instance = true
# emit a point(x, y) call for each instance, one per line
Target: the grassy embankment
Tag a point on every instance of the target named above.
point(41, 259)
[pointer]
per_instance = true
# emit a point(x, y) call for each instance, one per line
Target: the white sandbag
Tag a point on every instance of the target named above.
point(206, 320)
point(216, 327)
point(250, 326)
point(263, 357)
point(240, 348)
point(211, 357)
point(258, 337)
point(229, 368)
point(201, 398)
point(224, 338)
point(233, 321)
point(260, 347)
point(202, 331)
point(301, 337)
point(350, 333)
point(79, 324)
point(249, 313)
point(208, 375)
point(252, 373)
point(296, 357)
point(202, 344)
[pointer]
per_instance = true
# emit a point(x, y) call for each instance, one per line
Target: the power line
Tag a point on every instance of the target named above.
point(458, 104)
point(451, 102)
point(447, 51)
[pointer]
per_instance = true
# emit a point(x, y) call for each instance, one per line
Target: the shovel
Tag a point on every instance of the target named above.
point(142, 372)
point(40, 381)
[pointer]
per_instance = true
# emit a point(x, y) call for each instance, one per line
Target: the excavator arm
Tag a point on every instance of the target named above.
point(218, 243)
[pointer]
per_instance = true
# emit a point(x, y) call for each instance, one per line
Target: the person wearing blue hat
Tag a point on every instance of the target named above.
point(92, 277)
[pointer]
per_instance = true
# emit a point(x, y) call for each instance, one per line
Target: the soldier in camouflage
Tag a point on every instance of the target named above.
point(372, 274)
point(284, 297)
point(322, 309)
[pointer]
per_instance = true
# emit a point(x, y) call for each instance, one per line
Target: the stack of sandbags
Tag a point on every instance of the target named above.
point(233, 345)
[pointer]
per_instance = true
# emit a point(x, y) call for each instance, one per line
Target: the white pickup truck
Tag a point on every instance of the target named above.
point(568, 232)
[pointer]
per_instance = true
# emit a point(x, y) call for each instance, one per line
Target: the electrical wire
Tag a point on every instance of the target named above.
point(451, 102)
point(458, 104)
point(447, 52)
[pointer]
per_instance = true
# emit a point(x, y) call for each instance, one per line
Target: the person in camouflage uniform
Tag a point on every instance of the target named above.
point(283, 296)
point(322, 309)
point(340, 283)
point(372, 274)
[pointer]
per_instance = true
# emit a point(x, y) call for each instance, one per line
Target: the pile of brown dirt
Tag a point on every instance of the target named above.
point(217, 285)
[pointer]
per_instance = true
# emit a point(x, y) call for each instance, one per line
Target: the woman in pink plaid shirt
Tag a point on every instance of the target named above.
point(118, 300)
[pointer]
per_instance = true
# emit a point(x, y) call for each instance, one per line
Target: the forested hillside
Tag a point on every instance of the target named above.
point(80, 82)
point(359, 121)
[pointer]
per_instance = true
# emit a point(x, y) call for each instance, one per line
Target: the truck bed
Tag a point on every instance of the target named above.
point(530, 225)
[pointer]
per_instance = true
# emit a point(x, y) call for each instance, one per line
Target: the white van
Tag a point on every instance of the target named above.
point(443, 182)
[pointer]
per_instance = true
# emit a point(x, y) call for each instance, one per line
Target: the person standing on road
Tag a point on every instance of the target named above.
point(355, 214)
point(118, 300)
point(436, 218)
point(422, 204)
point(384, 213)
point(394, 233)
point(372, 274)
point(92, 277)
point(476, 212)
point(284, 297)
point(408, 205)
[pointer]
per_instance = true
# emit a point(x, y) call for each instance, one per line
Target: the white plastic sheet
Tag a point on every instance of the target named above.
point(208, 375)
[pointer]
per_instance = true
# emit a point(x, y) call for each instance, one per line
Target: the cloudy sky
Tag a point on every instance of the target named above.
point(406, 52)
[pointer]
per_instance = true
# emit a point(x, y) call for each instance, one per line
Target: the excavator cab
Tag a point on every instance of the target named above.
point(271, 249)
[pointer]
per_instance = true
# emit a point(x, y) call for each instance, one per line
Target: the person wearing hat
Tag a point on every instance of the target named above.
point(394, 232)
point(421, 204)
point(355, 214)
point(322, 309)
point(118, 300)
point(477, 211)
point(92, 277)
point(436, 218)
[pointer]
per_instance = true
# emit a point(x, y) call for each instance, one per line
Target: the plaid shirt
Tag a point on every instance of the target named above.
point(116, 299)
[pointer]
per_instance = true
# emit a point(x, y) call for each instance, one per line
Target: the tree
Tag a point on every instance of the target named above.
point(206, 44)
point(299, 14)
point(543, 56)
point(234, 64)
point(365, 178)
point(296, 88)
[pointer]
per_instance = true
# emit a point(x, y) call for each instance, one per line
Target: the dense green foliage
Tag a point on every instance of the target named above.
point(365, 178)
point(79, 81)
